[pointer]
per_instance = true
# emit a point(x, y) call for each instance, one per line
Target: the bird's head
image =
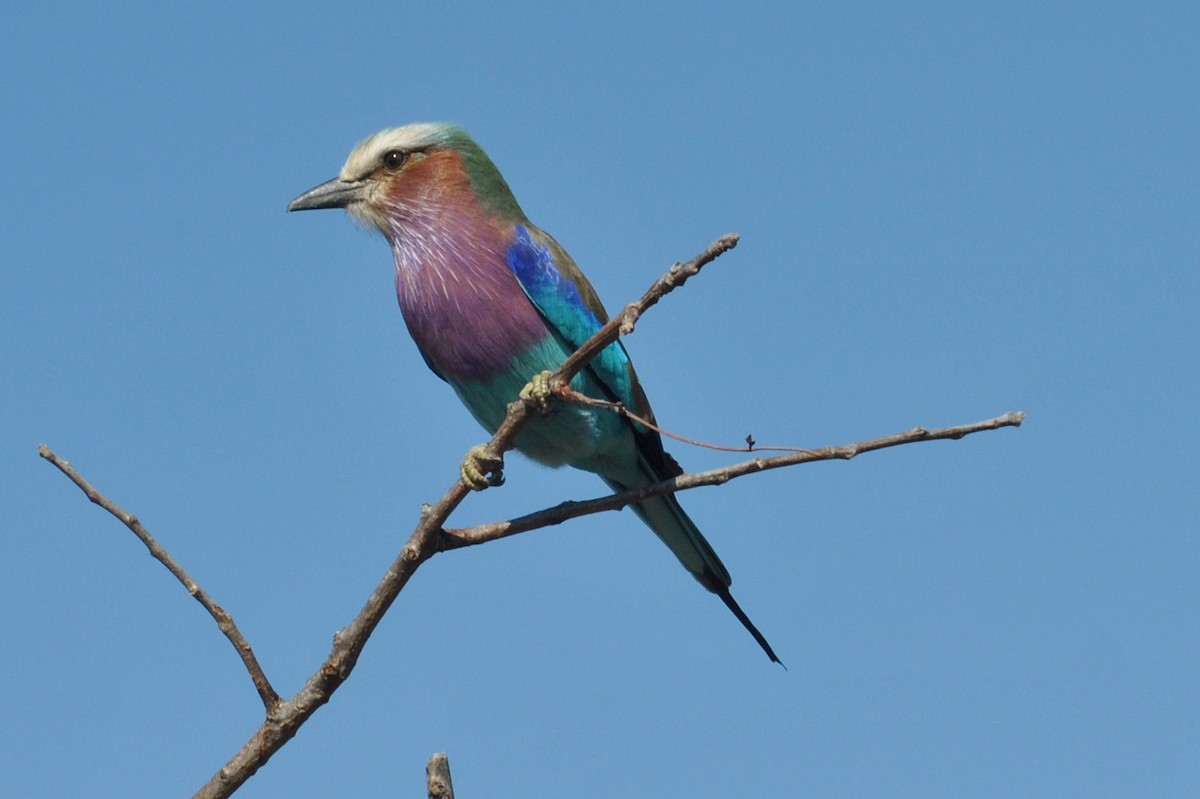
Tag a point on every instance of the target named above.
point(418, 169)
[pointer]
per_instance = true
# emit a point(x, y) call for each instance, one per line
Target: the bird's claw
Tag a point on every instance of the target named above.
point(538, 392)
point(480, 469)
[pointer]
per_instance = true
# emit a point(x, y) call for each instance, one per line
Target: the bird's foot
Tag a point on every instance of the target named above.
point(480, 469)
point(538, 392)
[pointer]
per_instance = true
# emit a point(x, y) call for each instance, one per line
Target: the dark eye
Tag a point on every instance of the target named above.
point(394, 159)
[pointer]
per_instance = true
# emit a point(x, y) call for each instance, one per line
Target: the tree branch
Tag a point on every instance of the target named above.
point(623, 323)
point(424, 543)
point(437, 777)
point(482, 533)
point(270, 698)
point(285, 717)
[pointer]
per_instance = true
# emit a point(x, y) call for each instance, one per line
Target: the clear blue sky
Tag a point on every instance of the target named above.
point(946, 214)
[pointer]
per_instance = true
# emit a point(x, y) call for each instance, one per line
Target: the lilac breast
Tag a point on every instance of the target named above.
point(463, 306)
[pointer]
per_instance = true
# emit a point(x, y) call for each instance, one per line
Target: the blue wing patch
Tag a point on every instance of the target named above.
point(558, 300)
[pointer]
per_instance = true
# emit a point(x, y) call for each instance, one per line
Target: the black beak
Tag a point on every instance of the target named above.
point(336, 193)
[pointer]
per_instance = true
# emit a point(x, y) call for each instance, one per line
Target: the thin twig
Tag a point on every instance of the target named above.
point(623, 323)
point(270, 698)
point(571, 395)
point(482, 533)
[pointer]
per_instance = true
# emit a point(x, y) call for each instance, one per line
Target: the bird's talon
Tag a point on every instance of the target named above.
point(538, 392)
point(480, 469)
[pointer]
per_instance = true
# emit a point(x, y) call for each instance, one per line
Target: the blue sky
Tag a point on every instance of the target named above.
point(947, 213)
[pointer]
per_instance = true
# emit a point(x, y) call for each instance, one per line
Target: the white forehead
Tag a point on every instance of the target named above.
point(365, 156)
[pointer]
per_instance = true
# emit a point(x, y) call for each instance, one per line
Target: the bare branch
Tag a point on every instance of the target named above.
point(437, 777)
point(424, 543)
point(479, 534)
point(623, 323)
point(285, 717)
point(270, 698)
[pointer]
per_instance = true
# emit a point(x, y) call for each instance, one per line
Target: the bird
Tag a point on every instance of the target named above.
point(491, 301)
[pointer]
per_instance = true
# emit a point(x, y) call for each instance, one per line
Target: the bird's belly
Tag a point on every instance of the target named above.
point(592, 439)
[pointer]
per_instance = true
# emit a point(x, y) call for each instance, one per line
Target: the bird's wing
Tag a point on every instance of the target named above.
point(569, 304)
point(556, 286)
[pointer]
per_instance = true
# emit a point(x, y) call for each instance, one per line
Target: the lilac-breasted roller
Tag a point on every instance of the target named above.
point(492, 301)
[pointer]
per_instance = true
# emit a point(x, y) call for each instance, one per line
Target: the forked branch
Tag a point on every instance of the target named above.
point(284, 717)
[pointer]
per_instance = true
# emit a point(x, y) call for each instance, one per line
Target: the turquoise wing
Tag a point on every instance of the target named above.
point(560, 292)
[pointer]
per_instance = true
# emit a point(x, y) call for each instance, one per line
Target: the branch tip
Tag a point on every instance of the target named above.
point(437, 777)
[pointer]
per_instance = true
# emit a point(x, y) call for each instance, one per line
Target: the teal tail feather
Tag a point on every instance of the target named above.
point(671, 523)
